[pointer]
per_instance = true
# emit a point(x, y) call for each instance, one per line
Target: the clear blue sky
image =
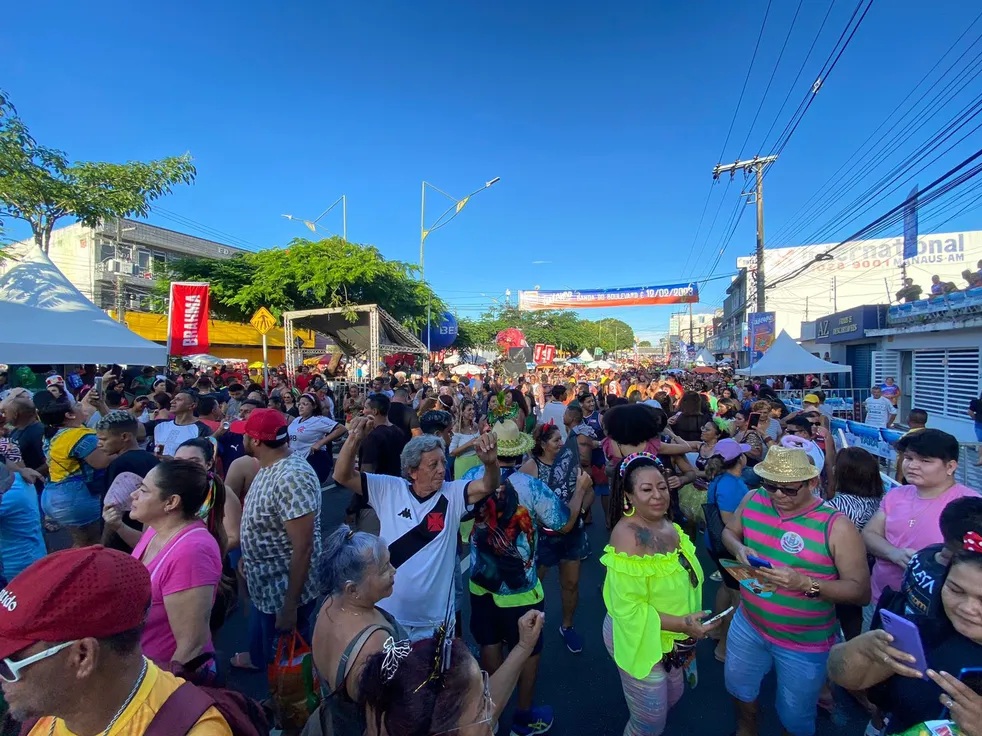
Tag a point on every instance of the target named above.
point(603, 121)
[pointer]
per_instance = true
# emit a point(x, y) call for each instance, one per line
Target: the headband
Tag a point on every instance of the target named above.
point(972, 542)
point(635, 456)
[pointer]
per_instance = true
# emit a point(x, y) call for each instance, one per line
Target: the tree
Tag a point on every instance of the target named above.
point(644, 344)
point(614, 335)
point(40, 186)
point(560, 328)
point(309, 275)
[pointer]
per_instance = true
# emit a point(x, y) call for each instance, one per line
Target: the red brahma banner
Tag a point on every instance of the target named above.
point(187, 326)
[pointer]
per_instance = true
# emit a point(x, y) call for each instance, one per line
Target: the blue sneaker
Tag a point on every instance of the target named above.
point(537, 719)
point(573, 641)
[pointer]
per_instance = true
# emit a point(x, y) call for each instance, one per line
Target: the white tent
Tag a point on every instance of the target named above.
point(586, 356)
point(786, 357)
point(705, 358)
point(600, 365)
point(47, 320)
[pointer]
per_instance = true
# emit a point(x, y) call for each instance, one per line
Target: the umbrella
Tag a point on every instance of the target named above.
point(464, 368)
point(601, 364)
point(257, 364)
point(203, 359)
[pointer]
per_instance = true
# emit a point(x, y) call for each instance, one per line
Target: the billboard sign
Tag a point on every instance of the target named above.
point(848, 325)
point(634, 297)
point(762, 333)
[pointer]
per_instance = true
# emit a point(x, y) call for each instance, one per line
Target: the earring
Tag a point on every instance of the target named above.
point(628, 508)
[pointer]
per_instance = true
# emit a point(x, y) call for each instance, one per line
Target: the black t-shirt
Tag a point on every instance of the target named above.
point(382, 449)
point(30, 439)
point(911, 701)
point(403, 417)
point(922, 583)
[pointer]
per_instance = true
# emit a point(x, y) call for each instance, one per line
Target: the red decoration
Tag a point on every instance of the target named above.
point(187, 325)
point(511, 338)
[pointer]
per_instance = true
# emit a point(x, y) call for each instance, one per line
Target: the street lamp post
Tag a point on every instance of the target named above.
point(312, 224)
point(449, 214)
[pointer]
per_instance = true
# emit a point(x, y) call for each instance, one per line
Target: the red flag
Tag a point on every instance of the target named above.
point(537, 353)
point(548, 354)
point(187, 326)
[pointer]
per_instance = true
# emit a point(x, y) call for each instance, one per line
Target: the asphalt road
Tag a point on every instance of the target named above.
point(584, 689)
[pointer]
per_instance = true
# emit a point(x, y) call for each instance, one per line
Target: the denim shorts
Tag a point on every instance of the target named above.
point(70, 503)
point(800, 675)
point(556, 548)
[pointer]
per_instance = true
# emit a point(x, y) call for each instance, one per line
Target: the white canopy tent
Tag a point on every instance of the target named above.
point(786, 357)
point(586, 356)
point(705, 358)
point(48, 321)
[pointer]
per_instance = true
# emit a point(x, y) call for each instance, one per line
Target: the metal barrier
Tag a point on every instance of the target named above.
point(844, 403)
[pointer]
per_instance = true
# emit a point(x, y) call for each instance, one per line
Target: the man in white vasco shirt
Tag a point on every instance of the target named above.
point(555, 410)
point(419, 517)
point(880, 411)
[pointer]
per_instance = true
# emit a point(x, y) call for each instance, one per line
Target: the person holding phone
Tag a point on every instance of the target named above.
point(903, 687)
point(817, 560)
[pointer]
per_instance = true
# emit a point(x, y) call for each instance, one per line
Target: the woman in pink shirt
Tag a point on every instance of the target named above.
point(182, 555)
point(907, 520)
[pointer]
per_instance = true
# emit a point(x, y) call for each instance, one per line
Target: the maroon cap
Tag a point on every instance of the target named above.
point(265, 425)
point(73, 594)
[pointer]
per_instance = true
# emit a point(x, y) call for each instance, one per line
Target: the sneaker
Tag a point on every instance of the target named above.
point(716, 577)
point(537, 719)
point(572, 640)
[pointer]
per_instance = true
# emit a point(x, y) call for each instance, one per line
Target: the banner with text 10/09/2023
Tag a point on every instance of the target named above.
point(640, 296)
point(187, 324)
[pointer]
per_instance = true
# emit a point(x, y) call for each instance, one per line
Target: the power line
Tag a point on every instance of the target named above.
point(206, 229)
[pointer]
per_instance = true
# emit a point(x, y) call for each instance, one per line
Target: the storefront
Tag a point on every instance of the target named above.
point(842, 338)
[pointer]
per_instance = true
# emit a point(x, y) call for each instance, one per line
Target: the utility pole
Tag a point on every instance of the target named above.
point(120, 300)
point(692, 336)
point(755, 166)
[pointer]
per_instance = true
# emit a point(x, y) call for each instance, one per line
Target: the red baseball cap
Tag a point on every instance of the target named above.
point(73, 594)
point(265, 425)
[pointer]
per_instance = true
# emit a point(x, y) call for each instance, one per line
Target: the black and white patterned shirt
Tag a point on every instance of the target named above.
point(284, 491)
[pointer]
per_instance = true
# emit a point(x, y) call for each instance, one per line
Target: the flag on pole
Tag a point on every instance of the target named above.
point(910, 225)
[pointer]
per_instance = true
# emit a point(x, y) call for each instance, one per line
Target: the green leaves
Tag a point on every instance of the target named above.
point(40, 186)
point(310, 275)
point(563, 329)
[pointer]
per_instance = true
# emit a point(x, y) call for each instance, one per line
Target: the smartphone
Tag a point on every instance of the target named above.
point(906, 638)
point(972, 678)
point(97, 385)
point(718, 616)
point(758, 561)
point(753, 420)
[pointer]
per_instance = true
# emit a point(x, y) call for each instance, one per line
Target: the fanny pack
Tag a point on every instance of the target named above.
point(682, 653)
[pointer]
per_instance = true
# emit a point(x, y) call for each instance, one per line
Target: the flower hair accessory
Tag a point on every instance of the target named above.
point(395, 652)
point(972, 542)
point(634, 456)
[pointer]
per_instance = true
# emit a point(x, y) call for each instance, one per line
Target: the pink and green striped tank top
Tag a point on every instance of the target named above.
point(788, 618)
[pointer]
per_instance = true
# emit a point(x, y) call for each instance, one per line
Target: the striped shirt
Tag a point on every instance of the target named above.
point(786, 617)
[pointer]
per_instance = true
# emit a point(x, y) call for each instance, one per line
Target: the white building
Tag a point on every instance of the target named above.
point(91, 259)
point(859, 273)
point(701, 327)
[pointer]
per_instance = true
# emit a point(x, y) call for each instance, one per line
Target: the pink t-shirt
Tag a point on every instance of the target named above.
point(190, 560)
point(912, 522)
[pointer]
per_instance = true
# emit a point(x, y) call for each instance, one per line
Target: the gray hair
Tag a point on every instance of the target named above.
point(412, 453)
point(346, 557)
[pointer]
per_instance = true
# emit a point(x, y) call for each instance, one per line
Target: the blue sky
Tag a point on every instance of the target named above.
point(603, 122)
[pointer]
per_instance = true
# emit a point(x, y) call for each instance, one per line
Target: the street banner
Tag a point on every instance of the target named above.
point(549, 354)
point(761, 326)
point(910, 225)
point(640, 296)
point(187, 324)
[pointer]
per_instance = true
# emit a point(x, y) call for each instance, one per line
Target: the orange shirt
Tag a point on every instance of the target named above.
point(156, 688)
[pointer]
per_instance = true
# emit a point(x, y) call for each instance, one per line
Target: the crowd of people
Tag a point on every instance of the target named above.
point(188, 494)
point(911, 292)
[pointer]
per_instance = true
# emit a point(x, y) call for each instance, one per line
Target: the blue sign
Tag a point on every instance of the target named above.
point(910, 225)
point(762, 327)
point(442, 334)
point(851, 324)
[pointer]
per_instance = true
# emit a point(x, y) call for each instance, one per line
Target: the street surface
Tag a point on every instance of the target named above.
point(584, 689)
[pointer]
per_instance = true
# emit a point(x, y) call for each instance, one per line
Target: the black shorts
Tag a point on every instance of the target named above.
point(491, 624)
point(728, 580)
point(556, 548)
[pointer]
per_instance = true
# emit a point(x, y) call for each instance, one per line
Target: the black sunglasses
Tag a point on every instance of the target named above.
point(789, 492)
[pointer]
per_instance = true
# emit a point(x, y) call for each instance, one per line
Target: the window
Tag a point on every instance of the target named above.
point(886, 363)
point(946, 380)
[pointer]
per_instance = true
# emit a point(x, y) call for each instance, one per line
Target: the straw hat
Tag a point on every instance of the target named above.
point(786, 465)
point(511, 442)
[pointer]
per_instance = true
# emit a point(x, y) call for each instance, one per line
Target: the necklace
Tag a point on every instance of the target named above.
point(123, 707)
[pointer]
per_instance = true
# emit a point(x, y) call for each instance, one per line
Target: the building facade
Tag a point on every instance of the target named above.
point(859, 273)
point(730, 338)
point(692, 331)
point(118, 265)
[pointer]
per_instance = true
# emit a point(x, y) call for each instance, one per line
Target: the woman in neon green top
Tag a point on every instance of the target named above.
point(653, 592)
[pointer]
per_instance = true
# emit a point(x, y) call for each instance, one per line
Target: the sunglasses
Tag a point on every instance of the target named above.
point(789, 492)
point(10, 669)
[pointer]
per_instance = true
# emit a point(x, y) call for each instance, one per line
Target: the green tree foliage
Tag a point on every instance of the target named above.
point(40, 186)
point(310, 275)
point(644, 344)
point(563, 329)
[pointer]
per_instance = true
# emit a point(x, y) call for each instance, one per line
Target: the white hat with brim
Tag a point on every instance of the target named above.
point(786, 465)
point(511, 442)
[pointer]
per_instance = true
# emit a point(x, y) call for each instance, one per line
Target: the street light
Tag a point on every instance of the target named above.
point(443, 220)
point(312, 224)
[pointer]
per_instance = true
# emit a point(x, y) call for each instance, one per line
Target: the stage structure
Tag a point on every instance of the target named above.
point(364, 329)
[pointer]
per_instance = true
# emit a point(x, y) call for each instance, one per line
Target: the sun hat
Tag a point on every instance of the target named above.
point(73, 594)
point(511, 442)
point(265, 425)
point(730, 450)
point(786, 465)
point(810, 399)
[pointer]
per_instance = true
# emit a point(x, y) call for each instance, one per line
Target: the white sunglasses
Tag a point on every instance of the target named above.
point(10, 669)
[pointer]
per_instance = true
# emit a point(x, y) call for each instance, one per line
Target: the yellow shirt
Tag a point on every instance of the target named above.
point(156, 688)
